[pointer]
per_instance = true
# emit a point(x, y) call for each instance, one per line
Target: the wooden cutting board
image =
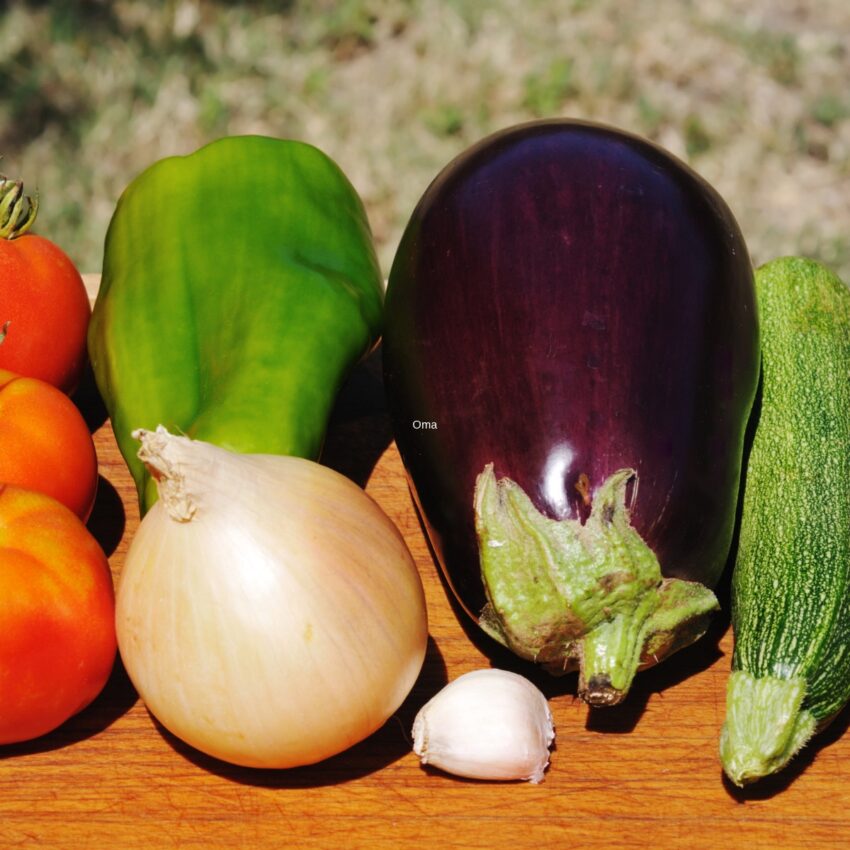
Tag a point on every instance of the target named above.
point(645, 774)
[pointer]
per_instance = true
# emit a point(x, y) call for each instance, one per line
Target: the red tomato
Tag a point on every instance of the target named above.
point(57, 610)
point(45, 444)
point(44, 307)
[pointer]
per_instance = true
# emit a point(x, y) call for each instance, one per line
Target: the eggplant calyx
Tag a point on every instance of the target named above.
point(765, 726)
point(591, 596)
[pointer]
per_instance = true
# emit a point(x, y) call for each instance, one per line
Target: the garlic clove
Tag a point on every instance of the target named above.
point(487, 724)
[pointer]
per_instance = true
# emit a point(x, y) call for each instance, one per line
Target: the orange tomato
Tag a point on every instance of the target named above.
point(44, 307)
point(57, 609)
point(45, 444)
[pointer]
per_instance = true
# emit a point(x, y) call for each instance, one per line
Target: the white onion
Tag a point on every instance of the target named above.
point(269, 613)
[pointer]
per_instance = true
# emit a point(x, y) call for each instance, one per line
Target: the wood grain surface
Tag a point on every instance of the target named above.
point(645, 774)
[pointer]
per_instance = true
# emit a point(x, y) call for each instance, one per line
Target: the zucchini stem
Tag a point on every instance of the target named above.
point(765, 726)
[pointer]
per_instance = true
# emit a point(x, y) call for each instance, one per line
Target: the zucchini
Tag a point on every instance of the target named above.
point(791, 582)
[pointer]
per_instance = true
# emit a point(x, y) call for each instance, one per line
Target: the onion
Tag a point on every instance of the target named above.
point(269, 612)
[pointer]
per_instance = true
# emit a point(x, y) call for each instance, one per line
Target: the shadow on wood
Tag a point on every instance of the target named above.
point(383, 747)
point(359, 430)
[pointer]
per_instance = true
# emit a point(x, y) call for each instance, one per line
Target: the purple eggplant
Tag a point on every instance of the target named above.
point(571, 354)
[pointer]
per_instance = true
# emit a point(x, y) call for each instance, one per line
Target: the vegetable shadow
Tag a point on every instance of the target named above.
point(359, 430)
point(116, 699)
point(672, 671)
point(383, 747)
point(89, 401)
point(108, 518)
point(618, 719)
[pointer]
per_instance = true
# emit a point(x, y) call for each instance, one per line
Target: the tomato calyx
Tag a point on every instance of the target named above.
point(4, 329)
point(17, 210)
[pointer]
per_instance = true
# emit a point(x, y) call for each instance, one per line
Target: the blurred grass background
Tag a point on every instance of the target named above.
point(755, 94)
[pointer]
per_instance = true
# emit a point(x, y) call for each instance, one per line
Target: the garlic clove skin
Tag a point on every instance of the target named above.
point(487, 724)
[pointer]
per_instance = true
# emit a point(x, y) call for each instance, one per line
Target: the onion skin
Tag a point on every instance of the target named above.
point(568, 301)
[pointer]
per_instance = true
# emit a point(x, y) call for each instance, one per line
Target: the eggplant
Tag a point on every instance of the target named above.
point(570, 314)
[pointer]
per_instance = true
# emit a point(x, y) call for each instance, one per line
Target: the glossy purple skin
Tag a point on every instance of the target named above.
point(571, 299)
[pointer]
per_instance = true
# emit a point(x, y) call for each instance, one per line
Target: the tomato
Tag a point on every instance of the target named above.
point(57, 609)
point(44, 307)
point(45, 444)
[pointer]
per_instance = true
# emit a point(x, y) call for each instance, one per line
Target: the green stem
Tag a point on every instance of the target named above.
point(611, 654)
point(765, 726)
point(17, 210)
point(567, 594)
point(663, 620)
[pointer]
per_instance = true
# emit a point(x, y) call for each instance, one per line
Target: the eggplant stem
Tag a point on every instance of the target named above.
point(610, 654)
point(566, 594)
point(663, 620)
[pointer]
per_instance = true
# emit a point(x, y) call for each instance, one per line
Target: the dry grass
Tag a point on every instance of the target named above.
point(753, 93)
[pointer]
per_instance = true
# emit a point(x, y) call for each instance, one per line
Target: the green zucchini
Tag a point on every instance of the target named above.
point(791, 583)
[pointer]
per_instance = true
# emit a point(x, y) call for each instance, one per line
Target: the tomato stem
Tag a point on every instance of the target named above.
point(17, 210)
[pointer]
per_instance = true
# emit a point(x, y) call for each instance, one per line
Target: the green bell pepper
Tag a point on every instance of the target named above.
point(240, 285)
